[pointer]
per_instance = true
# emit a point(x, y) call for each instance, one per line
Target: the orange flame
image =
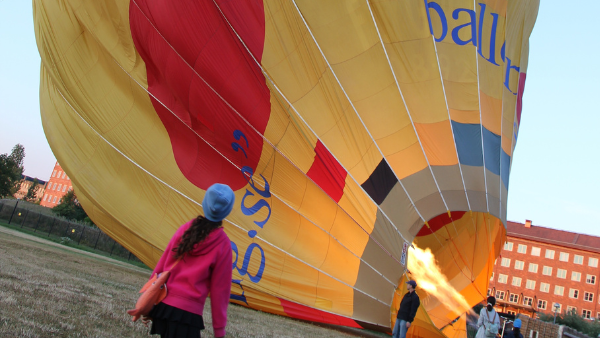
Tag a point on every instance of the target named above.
point(429, 277)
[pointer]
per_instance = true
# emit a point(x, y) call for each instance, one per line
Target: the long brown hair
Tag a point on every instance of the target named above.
point(196, 233)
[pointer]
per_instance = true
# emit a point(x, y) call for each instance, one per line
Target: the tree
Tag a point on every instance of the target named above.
point(70, 208)
point(32, 191)
point(11, 169)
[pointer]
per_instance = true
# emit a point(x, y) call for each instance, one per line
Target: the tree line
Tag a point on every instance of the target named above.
point(11, 173)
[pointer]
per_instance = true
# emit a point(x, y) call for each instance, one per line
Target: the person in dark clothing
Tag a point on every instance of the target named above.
point(516, 331)
point(407, 312)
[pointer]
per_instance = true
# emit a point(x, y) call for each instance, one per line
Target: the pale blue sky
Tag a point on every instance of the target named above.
point(554, 179)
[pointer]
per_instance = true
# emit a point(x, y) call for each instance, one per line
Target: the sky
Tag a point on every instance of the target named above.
point(554, 177)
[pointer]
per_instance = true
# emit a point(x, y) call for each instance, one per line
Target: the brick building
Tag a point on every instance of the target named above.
point(539, 267)
point(26, 183)
point(58, 185)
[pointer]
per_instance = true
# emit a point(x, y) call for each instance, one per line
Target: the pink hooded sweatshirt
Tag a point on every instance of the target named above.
point(206, 269)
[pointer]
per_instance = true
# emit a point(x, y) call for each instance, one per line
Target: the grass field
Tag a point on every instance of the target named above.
point(49, 290)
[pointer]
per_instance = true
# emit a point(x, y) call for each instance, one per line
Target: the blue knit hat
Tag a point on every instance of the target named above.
point(218, 202)
point(517, 323)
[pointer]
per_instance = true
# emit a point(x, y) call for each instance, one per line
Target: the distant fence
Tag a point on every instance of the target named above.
point(17, 215)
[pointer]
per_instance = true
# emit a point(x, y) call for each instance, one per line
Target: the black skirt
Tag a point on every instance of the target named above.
point(171, 322)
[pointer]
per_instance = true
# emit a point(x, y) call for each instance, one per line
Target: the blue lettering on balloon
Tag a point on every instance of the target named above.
point(255, 208)
point(238, 134)
point(472, 24)
point(241, 297)
point(507, 76)
point(248, 172)
point(436, 7)
point(244, 269)
point(492, 58)
point(476, 34)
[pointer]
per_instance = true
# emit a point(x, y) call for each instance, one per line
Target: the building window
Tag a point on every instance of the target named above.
point(598, 316)
point(492, 278)
point(519, 265)
point(588, 296)
point(542, 304)
point(544, 287)
point(577, 259)
point(533, 267)
point(576, 276)
point(574, 293)
point(586, 314)
point(508, 246)
point(513, 298)
point(59, 186)
point(561, 273)
point(54, 186)
point(511, 312)
point(489, 291)
point(547, 271)
point(516, 281)
point(530, 284)
point(527, 301)
point(522, 248)
point(593, 262)
point(502, 278)
point(535, 251)
point(54, 200)
point(64, 174)
point(505, 262)
point(500, 295)
point(559, 290)
point(45, 196)
point(563, 257)
point(591, 279)
point(53, 173)
point(549, 254)
point(571, 309)
point(64, 188)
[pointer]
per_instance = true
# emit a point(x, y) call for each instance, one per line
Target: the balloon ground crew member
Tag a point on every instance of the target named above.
point(516, 331)
point(407, 312)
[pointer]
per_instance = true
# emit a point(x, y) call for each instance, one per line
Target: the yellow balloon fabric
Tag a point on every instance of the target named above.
point(349, 131)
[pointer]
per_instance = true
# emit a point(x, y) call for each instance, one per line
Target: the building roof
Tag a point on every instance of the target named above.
point(31, 179)
point(567, 239)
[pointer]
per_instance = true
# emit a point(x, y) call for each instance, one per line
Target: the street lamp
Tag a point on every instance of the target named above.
point(556, 307)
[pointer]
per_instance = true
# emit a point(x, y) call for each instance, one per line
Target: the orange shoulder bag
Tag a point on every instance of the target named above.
point(153, 292)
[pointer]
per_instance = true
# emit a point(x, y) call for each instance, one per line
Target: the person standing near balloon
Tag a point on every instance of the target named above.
point(516, 331)
point(489, 321)
point(201, 252)
point(407, 312)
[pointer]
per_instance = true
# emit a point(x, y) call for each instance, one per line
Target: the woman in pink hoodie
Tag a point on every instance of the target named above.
point(204, 267)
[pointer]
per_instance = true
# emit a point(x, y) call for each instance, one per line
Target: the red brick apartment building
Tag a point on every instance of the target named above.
point(58, 185)
point(539, 267)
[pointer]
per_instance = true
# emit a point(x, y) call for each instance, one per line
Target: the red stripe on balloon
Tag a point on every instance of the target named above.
point(439, 222)
point(328, 173)
point(298, 311)
point(179, 40)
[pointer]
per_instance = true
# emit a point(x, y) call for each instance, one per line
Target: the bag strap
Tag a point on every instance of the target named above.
point(173, 265)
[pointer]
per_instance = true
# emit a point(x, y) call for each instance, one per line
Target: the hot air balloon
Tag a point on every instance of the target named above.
point(350, 131)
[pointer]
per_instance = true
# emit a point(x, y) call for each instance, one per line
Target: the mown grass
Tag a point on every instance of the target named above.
point(47, 290)
point(67, 242)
